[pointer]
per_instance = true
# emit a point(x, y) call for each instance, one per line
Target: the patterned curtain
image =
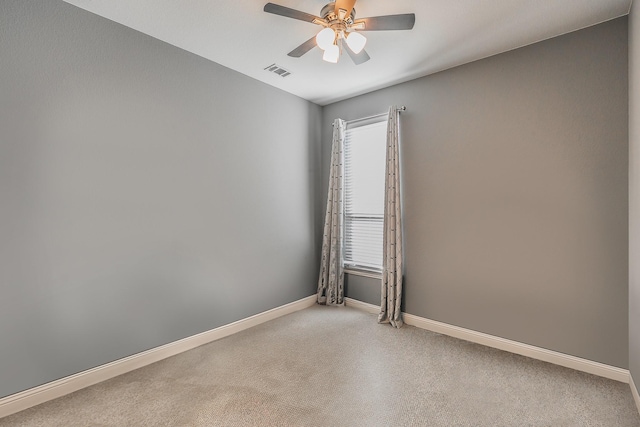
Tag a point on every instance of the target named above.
point(331, 281)
point(392, 265)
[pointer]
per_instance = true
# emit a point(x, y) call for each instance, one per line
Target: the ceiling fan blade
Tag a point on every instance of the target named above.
point(405, 21)
point(357, 58)
point(276, 9)
point(303, 48)
point(346, 6)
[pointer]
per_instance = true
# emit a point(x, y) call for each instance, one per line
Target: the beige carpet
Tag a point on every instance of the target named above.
point(337, 367)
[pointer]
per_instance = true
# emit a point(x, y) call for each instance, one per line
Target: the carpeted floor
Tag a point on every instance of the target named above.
point(337, 367)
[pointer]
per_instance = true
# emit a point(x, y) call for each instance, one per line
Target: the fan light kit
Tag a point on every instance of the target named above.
point(341, 30)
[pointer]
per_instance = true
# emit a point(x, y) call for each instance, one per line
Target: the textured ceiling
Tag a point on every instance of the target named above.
point(240, 36)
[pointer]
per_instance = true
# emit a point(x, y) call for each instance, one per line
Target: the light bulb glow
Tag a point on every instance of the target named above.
point(356, 42)
point(325, 38)
point(331, 54)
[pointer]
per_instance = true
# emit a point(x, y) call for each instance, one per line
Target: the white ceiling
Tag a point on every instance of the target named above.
point(240, 36)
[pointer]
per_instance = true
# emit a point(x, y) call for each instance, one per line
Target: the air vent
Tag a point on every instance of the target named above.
point(273, 68)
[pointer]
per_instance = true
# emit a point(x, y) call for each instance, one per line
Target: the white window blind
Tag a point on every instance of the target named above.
point(364, 167)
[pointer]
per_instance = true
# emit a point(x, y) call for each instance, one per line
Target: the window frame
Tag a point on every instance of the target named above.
point(353, 267)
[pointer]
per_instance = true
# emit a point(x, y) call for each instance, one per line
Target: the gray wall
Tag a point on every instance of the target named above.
point(147, 193)
point(515, 192)
point(362, 288)
point(634, 192)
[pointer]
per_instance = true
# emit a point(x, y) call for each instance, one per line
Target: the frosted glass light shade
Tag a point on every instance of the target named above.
point(331, 54)
point(325, 38)
point(356, 42)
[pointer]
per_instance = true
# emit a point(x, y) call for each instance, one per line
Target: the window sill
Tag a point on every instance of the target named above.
point(362, 273)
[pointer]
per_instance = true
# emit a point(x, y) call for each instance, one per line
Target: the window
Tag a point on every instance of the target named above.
point(365, 149)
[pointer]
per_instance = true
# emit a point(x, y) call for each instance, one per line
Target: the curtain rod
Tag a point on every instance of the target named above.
point(403, 108)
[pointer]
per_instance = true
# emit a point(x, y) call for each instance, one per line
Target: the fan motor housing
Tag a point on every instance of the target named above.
point(329, 13)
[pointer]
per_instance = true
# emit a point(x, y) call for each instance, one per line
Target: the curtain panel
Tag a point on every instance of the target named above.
point(331, 281)
point(392, 262)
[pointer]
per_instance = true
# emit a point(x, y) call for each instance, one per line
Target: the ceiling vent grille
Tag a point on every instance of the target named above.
point(273, 68)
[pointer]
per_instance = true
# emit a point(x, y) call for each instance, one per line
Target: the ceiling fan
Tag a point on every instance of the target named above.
point(341, 29)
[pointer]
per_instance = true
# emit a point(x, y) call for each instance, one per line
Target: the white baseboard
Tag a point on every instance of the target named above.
point(364, 306)
point(37, 395)
point(634, 391)
point(534, 352)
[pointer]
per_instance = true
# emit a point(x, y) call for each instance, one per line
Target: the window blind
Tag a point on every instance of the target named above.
point(364, 168)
